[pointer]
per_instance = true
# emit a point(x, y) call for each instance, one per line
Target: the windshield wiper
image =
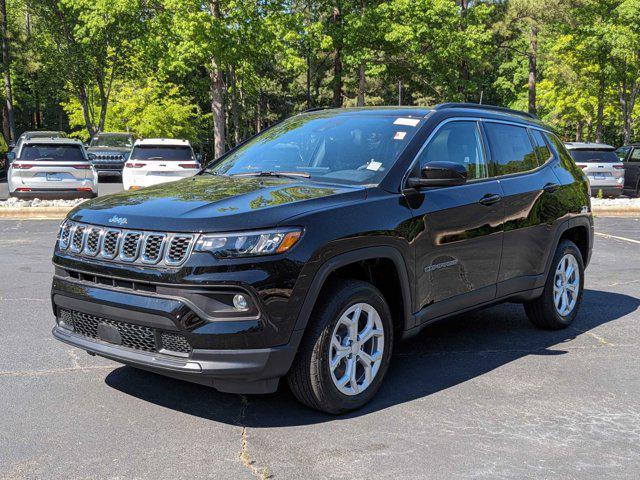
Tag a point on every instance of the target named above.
point(272, 174)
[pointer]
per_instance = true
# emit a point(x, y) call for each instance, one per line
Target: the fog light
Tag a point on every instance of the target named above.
point(240, 302)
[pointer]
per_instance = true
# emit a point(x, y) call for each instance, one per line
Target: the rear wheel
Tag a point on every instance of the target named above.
point(346, 350)
point(558, 305)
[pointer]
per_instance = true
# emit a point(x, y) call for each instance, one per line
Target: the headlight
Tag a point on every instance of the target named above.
point(248, 244)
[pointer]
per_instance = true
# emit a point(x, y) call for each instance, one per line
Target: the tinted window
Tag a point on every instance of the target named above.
point(622, 152)
point(345, 148)
point(59, 153)
point(106, 140)
point(511, 148)
point(168, 152)
point(597, 156)
point(635, 155)
point(457, 142)
point(541, 147)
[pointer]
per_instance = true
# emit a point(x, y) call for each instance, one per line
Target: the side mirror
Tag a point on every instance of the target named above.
point(91, 156)
point(439, 174)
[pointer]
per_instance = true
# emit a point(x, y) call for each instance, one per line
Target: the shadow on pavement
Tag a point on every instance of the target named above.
point(443, 355)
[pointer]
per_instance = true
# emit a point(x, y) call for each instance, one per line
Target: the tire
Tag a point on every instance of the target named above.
point(311, 378)
point(543, 311)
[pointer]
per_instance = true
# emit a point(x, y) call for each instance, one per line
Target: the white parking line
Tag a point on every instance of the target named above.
point(617, 238)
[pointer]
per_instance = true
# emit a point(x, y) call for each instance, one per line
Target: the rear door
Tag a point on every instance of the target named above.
point(523, 163)
point(632, 170)
point(458, 251)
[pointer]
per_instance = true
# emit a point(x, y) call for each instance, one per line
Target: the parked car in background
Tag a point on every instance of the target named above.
point(14, 146)
point(602, 166)
point(111, 150)
point(629, 155)
point(52, 168)
point(159, 160)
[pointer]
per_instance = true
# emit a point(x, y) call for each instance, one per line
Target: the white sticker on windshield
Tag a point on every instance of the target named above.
point(400, 135)
point(411, 122)
point(373, 165)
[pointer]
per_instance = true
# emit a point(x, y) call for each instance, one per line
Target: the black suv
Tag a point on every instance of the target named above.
point(308, 250)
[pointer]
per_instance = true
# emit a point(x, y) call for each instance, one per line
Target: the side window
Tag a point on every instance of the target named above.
point(458, 142)
point(542, 149)
point(622, 153)
point(511, 148)
point(635, 155)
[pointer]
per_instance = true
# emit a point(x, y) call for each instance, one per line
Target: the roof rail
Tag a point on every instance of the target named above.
point(479, 106)
point(315, 109)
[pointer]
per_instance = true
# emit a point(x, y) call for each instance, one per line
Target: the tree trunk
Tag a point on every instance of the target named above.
point(533, 60)
point(600, 111)
point(579, 127)
point(361, 85)
point(259, 113)
point(235, 114)
point(337, 60)
point(6, 65)
point(84, 103)
point(308, 86)
point(217, 93)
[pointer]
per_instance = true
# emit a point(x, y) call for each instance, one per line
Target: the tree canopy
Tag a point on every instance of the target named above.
point(218, 71)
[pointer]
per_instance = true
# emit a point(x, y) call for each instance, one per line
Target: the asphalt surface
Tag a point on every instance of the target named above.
point(484, 395)
point(105, 187)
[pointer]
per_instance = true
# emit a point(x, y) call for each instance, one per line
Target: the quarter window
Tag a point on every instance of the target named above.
point(635, 155)
point(541, 147)
point(511, 148)
point(457, 142)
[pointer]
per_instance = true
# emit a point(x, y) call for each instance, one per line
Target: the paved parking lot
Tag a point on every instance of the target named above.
point(483, 395)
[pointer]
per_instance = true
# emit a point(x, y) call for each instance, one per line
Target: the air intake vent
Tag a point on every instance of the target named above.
point(92, 244)
point(77, 240)
point(65, 235)
point(178, 249)
point(110, 243)
point(130, 246)
point(149, 248)
point(152, 249)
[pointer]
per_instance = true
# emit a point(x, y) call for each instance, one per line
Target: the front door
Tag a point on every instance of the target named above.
point(458, 250)
point(632, 171)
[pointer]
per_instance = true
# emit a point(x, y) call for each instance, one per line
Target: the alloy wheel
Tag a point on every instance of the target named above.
point(355, 351)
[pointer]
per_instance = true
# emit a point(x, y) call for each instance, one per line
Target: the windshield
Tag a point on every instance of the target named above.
point(356, 149)
point(52, 152)
point(164, 152)
point(107, 140)
point(594, 156)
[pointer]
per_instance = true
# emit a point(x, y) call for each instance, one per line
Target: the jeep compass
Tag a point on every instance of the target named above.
point(308, 251)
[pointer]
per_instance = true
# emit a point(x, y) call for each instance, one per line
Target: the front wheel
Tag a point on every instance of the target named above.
point(558, 305)
point(346, 350)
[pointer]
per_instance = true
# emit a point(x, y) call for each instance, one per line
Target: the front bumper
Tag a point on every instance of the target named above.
point(228, 354)
point(232, 371)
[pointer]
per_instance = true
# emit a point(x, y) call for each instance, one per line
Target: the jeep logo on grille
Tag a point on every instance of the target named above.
point(119, 220)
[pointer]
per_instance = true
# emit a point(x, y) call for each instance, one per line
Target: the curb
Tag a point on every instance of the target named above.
point(59, 213)
point(35, 213)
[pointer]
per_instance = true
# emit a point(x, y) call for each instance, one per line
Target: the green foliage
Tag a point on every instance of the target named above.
point(146, 65)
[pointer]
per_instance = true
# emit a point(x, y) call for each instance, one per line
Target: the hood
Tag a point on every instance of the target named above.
point(108, 150)
point(212, 203)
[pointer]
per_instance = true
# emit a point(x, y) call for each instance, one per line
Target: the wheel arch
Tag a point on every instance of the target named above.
point(356, 263)
point(580, 231)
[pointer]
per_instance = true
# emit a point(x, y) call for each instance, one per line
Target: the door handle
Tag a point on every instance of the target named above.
point(490, 199)
point(550, 187)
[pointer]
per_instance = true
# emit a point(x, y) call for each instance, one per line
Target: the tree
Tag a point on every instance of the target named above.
point(6, 65)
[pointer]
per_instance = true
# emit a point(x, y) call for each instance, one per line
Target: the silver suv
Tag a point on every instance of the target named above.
point(601, 165)
point(52, 168)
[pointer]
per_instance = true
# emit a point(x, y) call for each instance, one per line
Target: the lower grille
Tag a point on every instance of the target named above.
point(137, 337)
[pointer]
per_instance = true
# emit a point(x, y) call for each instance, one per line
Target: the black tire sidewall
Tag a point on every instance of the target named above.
point(359, 292)
point(565, 247)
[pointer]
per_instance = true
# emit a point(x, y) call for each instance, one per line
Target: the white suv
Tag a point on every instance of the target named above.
point(159, 160)
point(52, 168)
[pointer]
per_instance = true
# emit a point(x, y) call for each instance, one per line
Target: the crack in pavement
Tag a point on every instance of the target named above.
point(244, 455)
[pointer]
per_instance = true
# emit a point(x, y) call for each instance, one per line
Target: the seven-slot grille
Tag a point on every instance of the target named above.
point(138, 337)
point(170, 249)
